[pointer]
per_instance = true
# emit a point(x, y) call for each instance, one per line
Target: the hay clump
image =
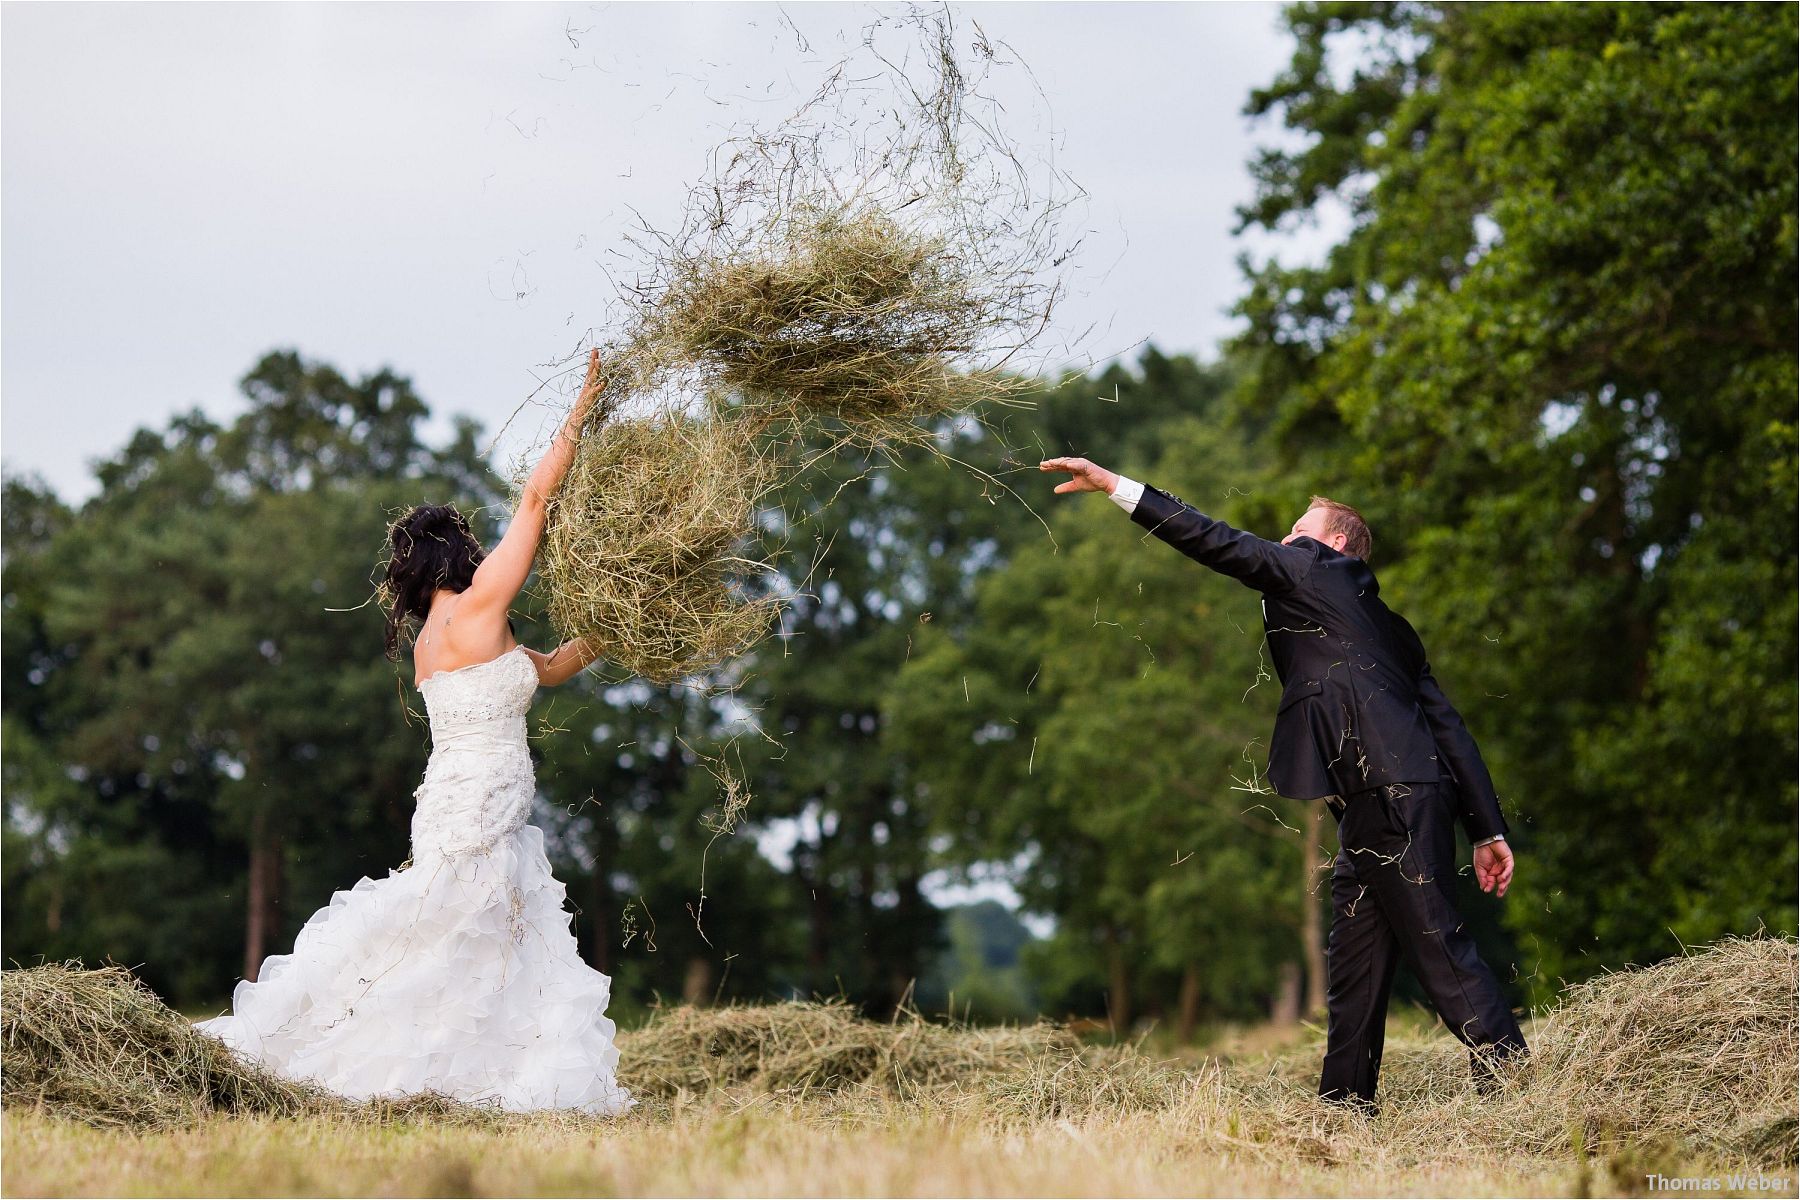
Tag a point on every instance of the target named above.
point(646, 543)
point(1698, 1053)
point(852, 318)
point(801, 1048)
point(99, 1046)
point(1703, 1049)
point(838, 1064)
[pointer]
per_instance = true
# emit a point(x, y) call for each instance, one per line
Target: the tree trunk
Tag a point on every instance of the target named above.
point(696, 985)
point(1118, 990)
point(1188, 1006)
point(1312, 922)
point(263, 915)
point(1286, 1008)
point(818, 939)
point(903, 976)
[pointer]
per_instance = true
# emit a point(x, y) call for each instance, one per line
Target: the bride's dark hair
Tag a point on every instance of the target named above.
point(431, 547)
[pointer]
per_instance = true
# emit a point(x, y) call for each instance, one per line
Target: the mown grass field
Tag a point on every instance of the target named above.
point(1686, 1070)
point(752, 1152)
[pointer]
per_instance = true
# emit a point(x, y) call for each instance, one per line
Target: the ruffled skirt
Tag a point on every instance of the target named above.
point(455, 975)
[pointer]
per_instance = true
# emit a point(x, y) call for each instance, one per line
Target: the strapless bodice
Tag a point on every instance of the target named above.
point(479, 692)
point(478, 784)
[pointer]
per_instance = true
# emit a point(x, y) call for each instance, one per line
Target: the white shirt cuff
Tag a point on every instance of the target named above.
point(1126, 493)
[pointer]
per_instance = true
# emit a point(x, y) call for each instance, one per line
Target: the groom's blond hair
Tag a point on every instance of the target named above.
point(1341, 518)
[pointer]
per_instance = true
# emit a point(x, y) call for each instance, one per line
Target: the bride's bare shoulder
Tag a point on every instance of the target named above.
point(444, 644)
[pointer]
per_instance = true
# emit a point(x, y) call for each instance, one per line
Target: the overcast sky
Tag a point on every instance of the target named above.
point(433, 187)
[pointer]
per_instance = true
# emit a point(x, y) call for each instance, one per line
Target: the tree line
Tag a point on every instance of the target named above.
point(1553, 361)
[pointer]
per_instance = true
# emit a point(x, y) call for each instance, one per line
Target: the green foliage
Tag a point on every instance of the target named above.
point(1555, 361)
point(1101, 714)
point(980, 975)
point(180, 678)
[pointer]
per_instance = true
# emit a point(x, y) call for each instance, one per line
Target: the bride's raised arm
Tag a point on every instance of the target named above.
point(503, 572)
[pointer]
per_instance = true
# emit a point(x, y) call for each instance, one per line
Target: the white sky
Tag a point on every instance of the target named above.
point(184, 187)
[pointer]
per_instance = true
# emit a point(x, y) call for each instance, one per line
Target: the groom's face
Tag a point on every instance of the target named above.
point(1312, 525)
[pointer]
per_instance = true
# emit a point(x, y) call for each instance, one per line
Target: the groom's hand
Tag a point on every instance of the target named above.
point(1493, 867)
point(1087, 477)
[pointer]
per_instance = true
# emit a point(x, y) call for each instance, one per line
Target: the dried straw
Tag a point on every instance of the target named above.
point(1696, 1054)
point(100, 1047)
point(854, 318)
point(851, 279)
point(645, 539)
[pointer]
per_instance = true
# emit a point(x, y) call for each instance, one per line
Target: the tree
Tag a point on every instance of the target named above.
point(189, 694)
point(1554, 357)
point(1090, 720)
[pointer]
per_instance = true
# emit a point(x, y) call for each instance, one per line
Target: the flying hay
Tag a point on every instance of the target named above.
point(645, 538)
point(856, 278)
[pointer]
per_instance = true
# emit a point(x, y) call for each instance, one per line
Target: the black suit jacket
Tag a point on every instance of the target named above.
point(1359, 707)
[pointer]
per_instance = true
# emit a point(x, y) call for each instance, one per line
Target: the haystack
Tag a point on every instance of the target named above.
point(1698, 1053)
point(805, 1048)
point(98, 1046)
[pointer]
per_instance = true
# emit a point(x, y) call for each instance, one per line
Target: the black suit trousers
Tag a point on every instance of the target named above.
point(1393, 898)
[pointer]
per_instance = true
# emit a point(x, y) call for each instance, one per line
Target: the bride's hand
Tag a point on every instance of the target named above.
point(590, 391)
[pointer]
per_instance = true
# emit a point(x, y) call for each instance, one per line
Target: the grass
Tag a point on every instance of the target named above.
point(753, 1152)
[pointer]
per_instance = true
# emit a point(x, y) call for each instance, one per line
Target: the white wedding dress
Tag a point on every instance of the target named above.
point(457, 974)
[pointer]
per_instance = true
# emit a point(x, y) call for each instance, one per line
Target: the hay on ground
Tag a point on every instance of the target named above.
point(99, 1046)
point(1696, 1054)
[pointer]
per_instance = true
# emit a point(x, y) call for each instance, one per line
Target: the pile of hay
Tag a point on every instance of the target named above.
point(1699, 1054)
point(809, 1048)
point(98, 1046)
point(1703, 1050)
point(826, 1054)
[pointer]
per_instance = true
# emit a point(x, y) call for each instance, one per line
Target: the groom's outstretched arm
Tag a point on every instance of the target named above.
point(1256, 562)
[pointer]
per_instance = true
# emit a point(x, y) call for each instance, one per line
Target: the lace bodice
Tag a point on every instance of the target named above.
point(478, 784)
point(499, 687)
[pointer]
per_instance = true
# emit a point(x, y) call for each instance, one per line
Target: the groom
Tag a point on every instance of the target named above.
point(1362, 723)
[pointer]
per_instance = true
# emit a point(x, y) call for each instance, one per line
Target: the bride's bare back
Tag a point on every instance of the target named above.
point(446, 645)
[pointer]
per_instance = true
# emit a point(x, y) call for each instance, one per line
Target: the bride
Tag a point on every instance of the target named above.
point(457, 974)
